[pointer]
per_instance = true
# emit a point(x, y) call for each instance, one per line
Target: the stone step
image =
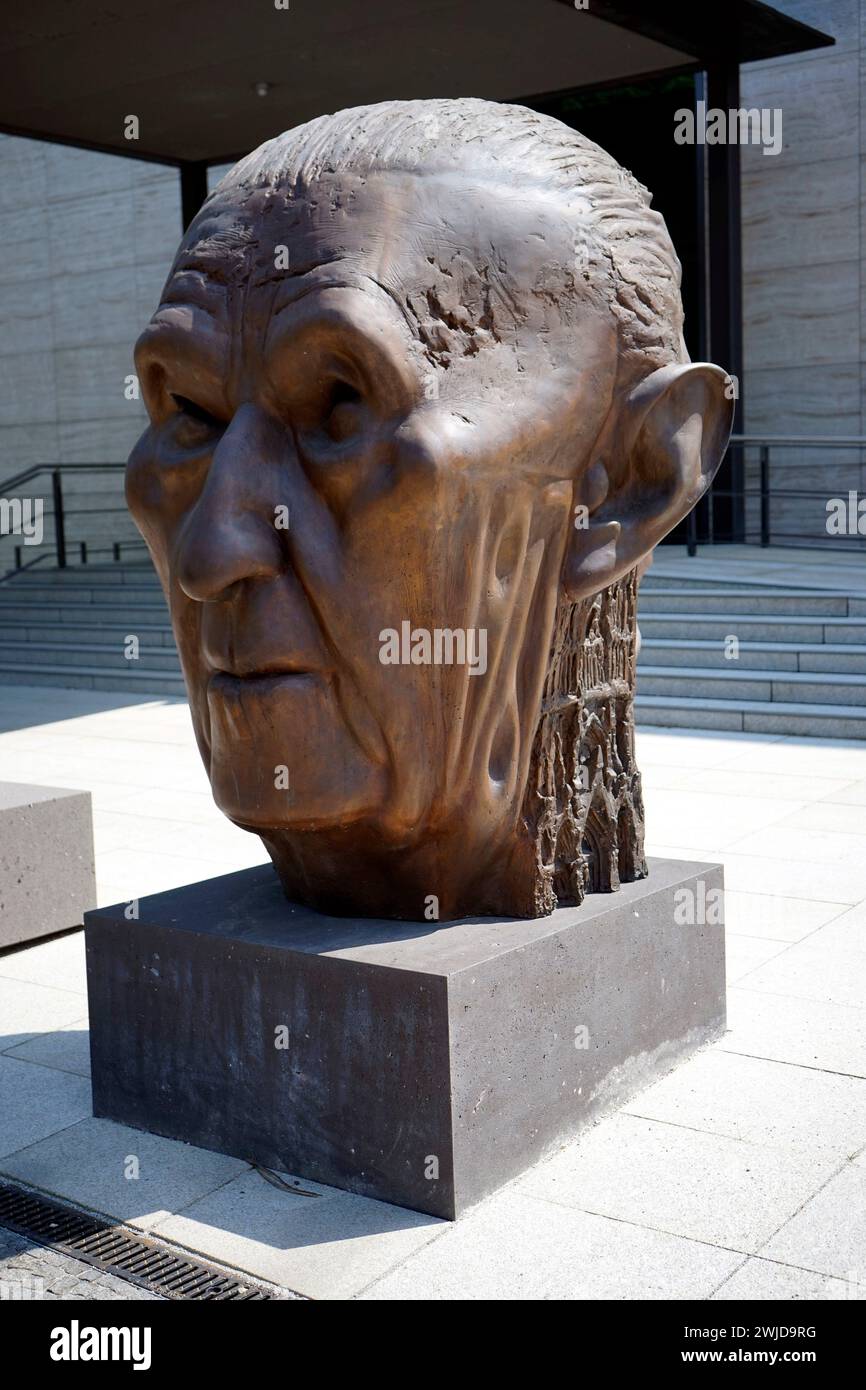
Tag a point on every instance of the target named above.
point(654, 580)
point(756, 629)
point(785, 687)
point(90, 654)
point(35, 595)
point(752, 717)
point(819, 579)
point(795, 603)
point(94, 616)
point(767, 656)
point(93, 678)
point(87, 575)
point(25, 630)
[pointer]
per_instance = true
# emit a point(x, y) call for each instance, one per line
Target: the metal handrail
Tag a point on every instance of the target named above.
point(59, 511)
point(766, 442)
point(33, 472)
point(839, 441)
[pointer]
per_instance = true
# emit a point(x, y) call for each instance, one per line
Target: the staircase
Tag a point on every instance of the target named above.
point(799, 665)
point(70, 627)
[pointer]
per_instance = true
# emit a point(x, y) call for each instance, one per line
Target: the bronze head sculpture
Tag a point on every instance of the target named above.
point(420, 406)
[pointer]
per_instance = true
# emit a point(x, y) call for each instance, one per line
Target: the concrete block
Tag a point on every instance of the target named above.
point(47, 874)
point(418, 1063)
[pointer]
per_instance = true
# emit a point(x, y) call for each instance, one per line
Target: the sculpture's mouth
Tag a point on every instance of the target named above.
point(230, 683)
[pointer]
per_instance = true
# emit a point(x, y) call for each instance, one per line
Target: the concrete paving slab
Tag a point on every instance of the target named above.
point(66, 1050)
point(516, 1246)
point(27, 1009)
point(776, 918)
point(702, 1186)
point(120, 1172)
point(745, 953)
point(812, 969)
point(36, 1102)
point(786, 878)
point(772, 786)
point(760, 1102)
point(846, 931)
point(696, 749)
point(811, 847)
point(829, 815)
point(693, 819)
point(806, 1032)
point(156, 871)
point(331, 1246)
point(829, 1234)
point(811, 757)
point(767, 1279)
point(852, 795)
point(58, 963)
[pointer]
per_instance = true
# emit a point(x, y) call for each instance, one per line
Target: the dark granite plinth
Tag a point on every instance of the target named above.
point(47, 879)
point(422, 1064)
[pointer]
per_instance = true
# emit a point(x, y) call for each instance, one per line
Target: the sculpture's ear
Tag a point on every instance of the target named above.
point(656, 462)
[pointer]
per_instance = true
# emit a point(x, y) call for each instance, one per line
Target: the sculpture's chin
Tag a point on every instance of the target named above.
point(361, 871)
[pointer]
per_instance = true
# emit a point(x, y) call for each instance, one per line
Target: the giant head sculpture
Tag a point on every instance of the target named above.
point(420, 409)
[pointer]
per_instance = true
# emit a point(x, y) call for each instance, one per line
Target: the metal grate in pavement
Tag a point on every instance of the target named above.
point(118, 1251)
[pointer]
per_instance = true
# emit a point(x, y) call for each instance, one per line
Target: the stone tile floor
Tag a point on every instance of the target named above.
point(29, 1271)
point(742, 1174)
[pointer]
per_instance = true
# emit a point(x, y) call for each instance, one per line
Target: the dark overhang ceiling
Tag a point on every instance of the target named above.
point(188, 69)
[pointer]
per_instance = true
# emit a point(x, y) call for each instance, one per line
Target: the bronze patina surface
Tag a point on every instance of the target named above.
point(420, 408)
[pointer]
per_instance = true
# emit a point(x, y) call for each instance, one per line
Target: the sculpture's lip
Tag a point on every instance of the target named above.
point(265, 676)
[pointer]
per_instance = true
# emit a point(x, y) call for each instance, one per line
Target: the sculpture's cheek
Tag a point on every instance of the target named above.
point(282, 756)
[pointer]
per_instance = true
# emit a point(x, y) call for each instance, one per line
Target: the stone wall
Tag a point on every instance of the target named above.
point(86, 240)
point(803, 261)
point(85, 243)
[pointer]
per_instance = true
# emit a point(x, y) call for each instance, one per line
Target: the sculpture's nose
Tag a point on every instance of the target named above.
point(231, 533)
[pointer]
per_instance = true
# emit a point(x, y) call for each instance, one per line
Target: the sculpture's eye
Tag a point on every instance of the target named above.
point(190, 411)
point(344, 411)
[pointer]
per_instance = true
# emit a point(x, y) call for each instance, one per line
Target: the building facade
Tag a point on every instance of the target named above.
point(88, 237)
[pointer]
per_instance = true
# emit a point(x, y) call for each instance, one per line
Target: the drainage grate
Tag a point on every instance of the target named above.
point(115, 1250)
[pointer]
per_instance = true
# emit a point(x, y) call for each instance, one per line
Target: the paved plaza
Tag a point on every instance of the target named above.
point(742, 1174)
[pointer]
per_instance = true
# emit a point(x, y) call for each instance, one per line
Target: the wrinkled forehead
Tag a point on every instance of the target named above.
point(495, 246)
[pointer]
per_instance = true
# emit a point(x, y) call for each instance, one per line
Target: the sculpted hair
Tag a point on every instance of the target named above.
point(583, 807)
point(622, 248)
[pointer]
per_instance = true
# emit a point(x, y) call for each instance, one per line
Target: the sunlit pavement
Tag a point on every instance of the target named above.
point(742, 1174)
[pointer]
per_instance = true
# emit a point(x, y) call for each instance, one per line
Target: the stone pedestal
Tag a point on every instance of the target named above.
point(47, 879)
point(422, 1064)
